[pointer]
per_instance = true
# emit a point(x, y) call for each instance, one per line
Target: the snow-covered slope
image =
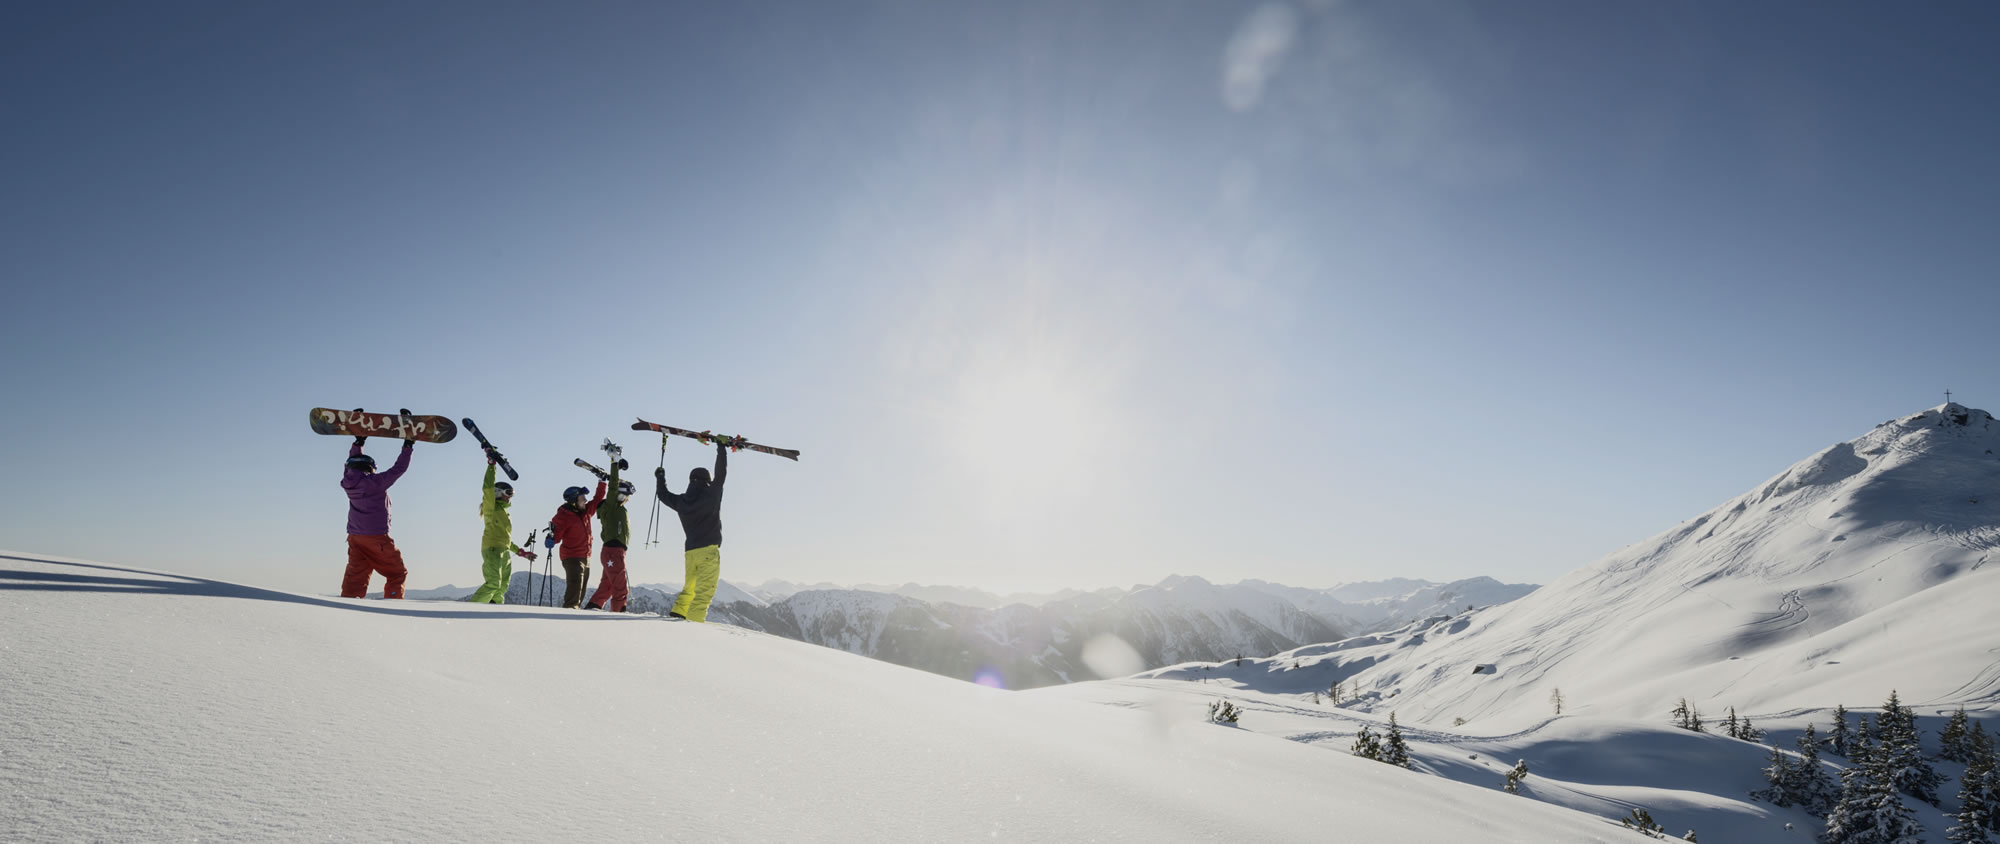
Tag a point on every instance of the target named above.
point(138, 705)
point(1864, 568)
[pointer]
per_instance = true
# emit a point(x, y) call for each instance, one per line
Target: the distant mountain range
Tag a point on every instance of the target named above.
point(1028, 640)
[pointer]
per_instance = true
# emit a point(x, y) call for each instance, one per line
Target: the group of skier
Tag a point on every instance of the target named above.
point(370, 551)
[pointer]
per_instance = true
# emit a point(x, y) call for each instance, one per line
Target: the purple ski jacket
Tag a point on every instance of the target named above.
point(368, 495)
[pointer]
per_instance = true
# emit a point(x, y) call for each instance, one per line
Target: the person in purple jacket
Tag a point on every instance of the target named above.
point(369, 548)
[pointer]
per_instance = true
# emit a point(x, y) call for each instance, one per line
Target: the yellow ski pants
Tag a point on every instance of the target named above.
point(704, 566)
point(498, 568)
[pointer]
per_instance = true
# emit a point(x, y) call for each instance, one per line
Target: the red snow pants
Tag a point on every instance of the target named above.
point(370, 555)
point(611, 593)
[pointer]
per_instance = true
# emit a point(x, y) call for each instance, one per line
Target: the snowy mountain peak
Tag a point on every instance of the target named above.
point(1857, 569)
point(1177, 581)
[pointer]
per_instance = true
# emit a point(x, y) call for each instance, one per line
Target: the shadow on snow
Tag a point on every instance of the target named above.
point(161, 583)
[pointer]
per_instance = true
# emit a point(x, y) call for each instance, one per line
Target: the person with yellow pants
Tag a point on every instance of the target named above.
point(700, 509)
point(494, 543)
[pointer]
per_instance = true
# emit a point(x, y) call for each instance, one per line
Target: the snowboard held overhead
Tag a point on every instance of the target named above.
point(403, 426)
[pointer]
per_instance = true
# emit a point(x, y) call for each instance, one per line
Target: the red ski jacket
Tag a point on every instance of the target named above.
point(572, 528)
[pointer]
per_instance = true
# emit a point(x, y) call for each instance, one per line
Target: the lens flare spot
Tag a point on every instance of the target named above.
point(989, 678)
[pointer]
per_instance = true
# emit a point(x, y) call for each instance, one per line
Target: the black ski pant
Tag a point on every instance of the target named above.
point(577, 570)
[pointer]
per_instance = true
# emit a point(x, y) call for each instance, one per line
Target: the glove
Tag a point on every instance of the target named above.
point(660, 473)
point(490, 459)
point(550, 540)
point(361, 441)
point(409, 443)
point(622, 465)
point(523, 552)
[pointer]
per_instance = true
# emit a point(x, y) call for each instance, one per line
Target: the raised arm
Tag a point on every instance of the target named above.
point(402, 464)
point(721, 463)
point(486, 492)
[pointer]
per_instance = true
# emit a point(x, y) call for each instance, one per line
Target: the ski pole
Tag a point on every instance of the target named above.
point(548, 558)
point(653, 529)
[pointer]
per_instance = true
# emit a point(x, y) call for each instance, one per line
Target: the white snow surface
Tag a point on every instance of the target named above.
point(143, 705)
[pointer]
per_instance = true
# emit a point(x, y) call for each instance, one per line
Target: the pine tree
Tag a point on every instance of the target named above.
point(1869, 810)
point(1779, 775)
point(1901, 756)
point(1395, 752)
point(1840, 735)
point(1729, 725)
point(1686, 716)
point(1367, 745)
point(1643, 822)
point(1223, 712)
point(1515, 776)
point(1975, 813)
point(1749, 733)
point(1556, 698)
point(1988, 784)
point(1811, 789)
point(1951, 741)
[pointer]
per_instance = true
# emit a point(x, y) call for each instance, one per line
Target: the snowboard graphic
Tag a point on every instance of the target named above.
point(357, 423)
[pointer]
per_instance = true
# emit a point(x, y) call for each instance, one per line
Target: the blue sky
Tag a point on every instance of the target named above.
point(1049, 294)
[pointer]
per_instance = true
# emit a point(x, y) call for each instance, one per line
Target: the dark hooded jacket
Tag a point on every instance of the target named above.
point(700, 508)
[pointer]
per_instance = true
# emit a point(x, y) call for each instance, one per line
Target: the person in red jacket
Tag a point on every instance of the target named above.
point(571, 527)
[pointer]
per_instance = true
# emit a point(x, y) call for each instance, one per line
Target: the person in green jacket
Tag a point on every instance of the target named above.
point(495, 542)
point(611, 591)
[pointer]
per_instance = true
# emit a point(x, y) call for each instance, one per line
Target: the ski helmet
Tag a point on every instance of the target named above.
point(626, 488)
point(698, 475)
point(574, 493)
point(503, 489)
point(362, 462)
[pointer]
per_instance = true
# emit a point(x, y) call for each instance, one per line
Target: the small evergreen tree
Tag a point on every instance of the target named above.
point(1642, 821)
point(1315, 698)
point(1223, 712)
point(1811, 788)
point(1689, 836)
point(1367, 745)
point(1975, 813)
point(1987, 786)
point(1779, 774)
point(1748, 732)
point(1515, 776)
point(1686, 716)
point(1729, 726)
point(1840, 735)
point(1556, 698)
point(1952, 740)
point(1394, 751)
point(1900, 755)
point(1869, 810)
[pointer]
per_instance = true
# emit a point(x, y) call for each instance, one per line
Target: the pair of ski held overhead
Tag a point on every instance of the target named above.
point(699, 508)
